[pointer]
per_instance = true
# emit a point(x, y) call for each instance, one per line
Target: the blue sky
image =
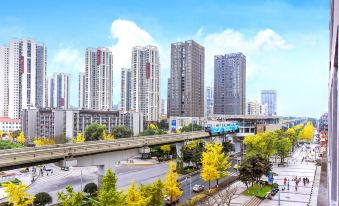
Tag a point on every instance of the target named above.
point(286, 42)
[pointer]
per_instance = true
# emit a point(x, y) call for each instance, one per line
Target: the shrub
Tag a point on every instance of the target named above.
point(42, 199)
point(91, 188)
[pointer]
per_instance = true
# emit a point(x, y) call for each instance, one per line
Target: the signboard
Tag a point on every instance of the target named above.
point(270, 178)
point(174, 124)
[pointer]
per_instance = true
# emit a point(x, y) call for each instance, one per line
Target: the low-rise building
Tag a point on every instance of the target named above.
point(55, 122)
point(9, 125)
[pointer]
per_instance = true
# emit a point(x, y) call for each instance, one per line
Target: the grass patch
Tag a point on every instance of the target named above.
point(255, 190)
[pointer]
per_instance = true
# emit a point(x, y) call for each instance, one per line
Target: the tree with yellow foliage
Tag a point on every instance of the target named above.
point(134, 197)
point(166, 149)
point(172, 186)
point(21, 138)
point(79, 138)
point(1, 133)
point(43, 141)
point(262, 143)
point(222, 161)
point(107, 137)
point(17, 194)
point(307, 132)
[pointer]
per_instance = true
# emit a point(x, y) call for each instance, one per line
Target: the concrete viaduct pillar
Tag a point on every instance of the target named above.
point(178, 147)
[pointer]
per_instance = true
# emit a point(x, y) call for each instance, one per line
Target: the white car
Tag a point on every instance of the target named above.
point(198, 188)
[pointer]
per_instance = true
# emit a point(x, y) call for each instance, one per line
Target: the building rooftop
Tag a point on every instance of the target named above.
point(7, 119)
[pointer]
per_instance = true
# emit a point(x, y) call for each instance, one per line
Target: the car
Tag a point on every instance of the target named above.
point(198, 188)
point(167, 200)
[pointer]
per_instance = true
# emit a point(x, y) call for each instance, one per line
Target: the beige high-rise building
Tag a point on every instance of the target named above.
point(186, 84)
point(145, 79)
point(99, 79)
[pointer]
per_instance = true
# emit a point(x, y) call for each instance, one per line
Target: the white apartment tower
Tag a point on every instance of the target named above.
point(269, 97)
point(82, 89)
point(126, 90)
point(4, 56)
point(23, 76)
point(145, 82)
point(255, 108)
point(58, 91)
point(99, 79)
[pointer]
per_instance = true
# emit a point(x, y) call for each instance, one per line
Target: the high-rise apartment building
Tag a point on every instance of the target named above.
point(58, 91)
point(163, 109)
point(99, 79)
point(209, 104)
point(186, 83)
point(4, 57)
point(23, 76)
point(82, 90)
point(126, 89)
point(230, 84)
point(333, 146)
point(269, 97)
point(255, 108)
point(145, 71)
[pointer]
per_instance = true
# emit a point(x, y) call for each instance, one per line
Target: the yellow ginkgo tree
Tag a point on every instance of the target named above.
point(134, 197)
point(172, 186)
point(79, 138)
point(17, 196)
point(21, 138)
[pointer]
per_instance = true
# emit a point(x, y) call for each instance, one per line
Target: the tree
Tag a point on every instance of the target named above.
point(291, 134)
point(17, 194)
point(262, 143)
point(70, 198)
point(121, 132)
point(91, 188)
point(172, 186)
point(188, 128)
point(42, 199)
point(21, 138)
point(134, 197)
point(192, 152)
point(152, 129)
point(94, 132)
point(108, 194)
point(43, 141)
point(79, 138)
point(209, 171)
point(245, 173)
point(228, 147)
point(283, 146)
point(6, 144)
point(163, 124)
point(15, 134)
point(222, 161)
point(153, 191)
point(307, 132)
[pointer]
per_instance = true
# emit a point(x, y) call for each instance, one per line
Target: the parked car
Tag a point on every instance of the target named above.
point(168, 200)
point(198, 188)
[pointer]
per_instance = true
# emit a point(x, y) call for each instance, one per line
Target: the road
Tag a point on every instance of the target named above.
point(78, 177)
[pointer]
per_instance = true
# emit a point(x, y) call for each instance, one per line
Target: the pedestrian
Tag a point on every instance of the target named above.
point(52, 171)
point(285, 180)
point(288, 184)
point(304, 181)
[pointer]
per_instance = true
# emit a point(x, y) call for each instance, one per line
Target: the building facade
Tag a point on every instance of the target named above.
point(269, 97)
point(126, 89)
point(230, 84)
point(255, 108)
point(186, 82)
point(332, 153)
point(82, 90)
point(99, 79)
point(163, 110)
point(9, 125)
point(56, 122)
point(58, 91)
point(209, 104)
point(145, 75)
point(23, 76)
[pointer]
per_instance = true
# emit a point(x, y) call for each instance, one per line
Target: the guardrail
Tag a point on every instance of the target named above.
point(57, 152)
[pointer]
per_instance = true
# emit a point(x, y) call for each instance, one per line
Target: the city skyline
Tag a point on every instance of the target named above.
point(255, 40)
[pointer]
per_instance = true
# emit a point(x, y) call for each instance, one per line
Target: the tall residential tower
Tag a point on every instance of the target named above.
point(99, 79)
point(145, 71)
point(186, 83)
point(58, 91)
point(126, 90)
point(230, 84)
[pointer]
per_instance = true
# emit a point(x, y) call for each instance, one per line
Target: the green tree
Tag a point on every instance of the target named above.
point(94, 132)
point(70, 198)
point(154, 192)
point(283, 146)
point(245, 173)
point(121, 132)
point(291, 134)
point(152, 129)
point(91, 188)
point(42, 199)
point(228, 147)
point(163, 124)
point(192, 153)
point(6, 144)
point(108, 194)
point(188, 128)
point(262, 143)
point(15, 133)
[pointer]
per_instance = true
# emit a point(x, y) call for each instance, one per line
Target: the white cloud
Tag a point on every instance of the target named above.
point(229, 40)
